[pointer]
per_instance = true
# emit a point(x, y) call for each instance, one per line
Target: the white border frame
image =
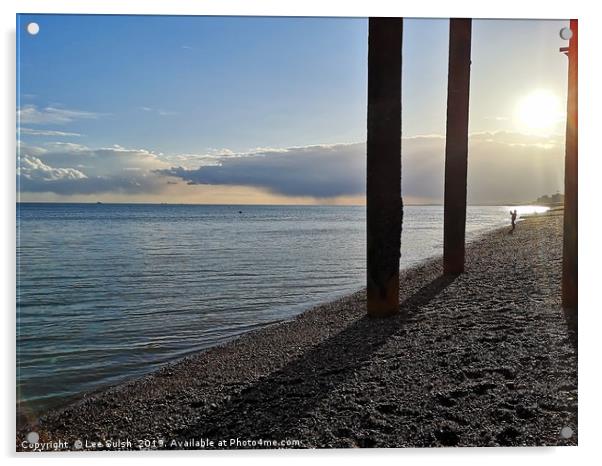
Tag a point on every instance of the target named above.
point(589, 238)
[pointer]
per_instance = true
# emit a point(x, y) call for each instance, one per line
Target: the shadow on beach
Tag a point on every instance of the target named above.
point(274, 406)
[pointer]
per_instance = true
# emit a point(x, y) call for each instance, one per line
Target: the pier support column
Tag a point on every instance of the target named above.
point(383, 195)
point(569, 250)
point(456, 145)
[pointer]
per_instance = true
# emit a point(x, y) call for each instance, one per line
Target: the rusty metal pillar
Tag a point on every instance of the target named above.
point(456, 145)
point(383, 195)
point(569, 250)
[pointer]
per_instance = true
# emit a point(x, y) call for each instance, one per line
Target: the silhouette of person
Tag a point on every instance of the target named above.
point(513, 218)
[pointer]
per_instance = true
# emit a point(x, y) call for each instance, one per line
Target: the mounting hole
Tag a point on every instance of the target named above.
point(566, 33)
point(33, 28)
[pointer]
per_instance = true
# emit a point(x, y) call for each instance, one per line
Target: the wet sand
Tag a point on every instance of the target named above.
point(482, 359)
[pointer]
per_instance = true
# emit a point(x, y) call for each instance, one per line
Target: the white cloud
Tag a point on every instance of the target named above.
point(32, 168)
point(47, 132)
point(31, 114)
point(158, 111)
point(103, 161)
point(497, 118)
point(67, 168)
point(518, 139)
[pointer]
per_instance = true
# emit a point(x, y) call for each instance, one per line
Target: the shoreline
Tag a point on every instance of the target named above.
point(247, 385)
point(75, 398)
point(298, 307)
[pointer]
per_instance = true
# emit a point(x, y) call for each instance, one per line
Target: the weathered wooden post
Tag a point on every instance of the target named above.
point(569, 252)
point(456, 145)
point(383, 196)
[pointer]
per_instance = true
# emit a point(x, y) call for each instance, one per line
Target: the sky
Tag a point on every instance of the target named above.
point(243, 110)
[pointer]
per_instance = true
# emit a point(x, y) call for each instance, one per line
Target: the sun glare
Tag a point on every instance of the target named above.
point(539, 111)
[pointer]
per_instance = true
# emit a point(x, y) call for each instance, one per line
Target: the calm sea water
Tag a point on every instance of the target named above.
point(107, 292)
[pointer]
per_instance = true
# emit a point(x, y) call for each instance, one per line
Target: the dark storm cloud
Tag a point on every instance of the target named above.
point(317, 171)
point(503, 167)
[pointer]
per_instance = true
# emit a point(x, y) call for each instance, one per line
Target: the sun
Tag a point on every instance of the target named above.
point(539, 111)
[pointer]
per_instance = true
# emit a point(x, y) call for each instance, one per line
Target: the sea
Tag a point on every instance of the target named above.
point(108, 292)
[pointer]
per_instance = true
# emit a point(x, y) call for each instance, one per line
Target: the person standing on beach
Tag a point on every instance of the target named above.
point(513, 219)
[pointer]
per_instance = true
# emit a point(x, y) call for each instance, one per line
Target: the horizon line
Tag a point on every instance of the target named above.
point(283, 205)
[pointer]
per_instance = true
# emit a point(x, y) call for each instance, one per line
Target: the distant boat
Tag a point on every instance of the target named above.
point(98, 202)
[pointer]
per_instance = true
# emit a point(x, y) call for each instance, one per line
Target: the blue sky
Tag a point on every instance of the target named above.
point(148, 108)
